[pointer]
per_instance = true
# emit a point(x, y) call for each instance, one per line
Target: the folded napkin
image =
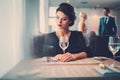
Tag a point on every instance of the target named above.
point(107, 71)
point(111, 74)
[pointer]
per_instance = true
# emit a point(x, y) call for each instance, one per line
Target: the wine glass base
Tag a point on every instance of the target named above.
point(112, 65)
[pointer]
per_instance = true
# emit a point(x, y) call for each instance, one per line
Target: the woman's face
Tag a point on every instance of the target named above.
point(62, 20)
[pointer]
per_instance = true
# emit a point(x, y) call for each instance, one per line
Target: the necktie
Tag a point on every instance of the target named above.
point(105, 20)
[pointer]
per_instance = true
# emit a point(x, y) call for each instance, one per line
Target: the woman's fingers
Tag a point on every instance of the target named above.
point(58, 57)
point(65, 57)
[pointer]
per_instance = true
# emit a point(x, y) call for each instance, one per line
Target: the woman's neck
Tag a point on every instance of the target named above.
point(63, 33)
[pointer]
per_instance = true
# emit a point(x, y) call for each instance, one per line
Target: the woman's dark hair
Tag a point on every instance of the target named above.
point(68, 10)
point(107, 9)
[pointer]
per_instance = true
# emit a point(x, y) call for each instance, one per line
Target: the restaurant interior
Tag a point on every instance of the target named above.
point(23, 22)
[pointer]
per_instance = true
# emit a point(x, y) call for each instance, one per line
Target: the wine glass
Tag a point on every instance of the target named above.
point(114, 46)
point(63, 43)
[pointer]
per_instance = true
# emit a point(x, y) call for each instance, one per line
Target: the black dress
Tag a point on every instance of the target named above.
point(51, 44)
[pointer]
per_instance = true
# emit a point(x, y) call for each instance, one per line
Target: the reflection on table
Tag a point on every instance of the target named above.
point(41, 69)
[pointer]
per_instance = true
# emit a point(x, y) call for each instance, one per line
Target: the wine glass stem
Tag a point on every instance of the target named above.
point(113, 61)
point(114, 57)
point(63, 51)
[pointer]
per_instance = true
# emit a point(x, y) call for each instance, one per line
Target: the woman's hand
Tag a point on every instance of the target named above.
point(65, 57)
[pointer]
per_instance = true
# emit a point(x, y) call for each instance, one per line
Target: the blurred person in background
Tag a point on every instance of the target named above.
point(82, 25)
point(107, 25)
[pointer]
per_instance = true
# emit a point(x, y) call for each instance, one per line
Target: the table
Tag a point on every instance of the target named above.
point(37, 69)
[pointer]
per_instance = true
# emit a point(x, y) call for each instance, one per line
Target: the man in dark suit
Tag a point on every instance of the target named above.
point(107, 26)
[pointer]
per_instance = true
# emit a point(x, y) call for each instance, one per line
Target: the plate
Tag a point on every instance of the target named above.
point(100, 58)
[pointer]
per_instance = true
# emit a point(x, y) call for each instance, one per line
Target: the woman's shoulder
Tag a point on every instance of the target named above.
point(76, 32)
point(50, 34)
point(50, 37)
point(77, 35)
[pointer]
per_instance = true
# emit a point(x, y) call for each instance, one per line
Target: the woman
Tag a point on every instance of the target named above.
point(82, 26)
point(65, 17)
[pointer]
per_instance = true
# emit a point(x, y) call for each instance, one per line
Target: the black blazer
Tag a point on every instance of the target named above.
point(108, 29)
point(51, 44)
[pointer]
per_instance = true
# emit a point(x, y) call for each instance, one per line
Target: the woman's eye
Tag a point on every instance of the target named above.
point(64, 19)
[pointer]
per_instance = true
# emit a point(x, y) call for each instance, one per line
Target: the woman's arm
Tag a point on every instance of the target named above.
point(79, 55)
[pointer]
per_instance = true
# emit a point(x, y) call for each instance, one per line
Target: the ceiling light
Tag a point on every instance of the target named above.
point(68, 1)
point(98, 5)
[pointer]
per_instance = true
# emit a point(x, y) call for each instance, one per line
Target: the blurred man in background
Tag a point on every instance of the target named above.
point(107, 26)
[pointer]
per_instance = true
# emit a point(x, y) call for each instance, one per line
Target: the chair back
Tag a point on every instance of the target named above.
point(101, 46)
point(38, 42)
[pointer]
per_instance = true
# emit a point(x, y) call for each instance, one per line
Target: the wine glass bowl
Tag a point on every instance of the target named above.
point(114, 46)
point(63, 43)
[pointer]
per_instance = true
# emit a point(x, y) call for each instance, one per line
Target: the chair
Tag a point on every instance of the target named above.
point(90, 37)
point(101, 47)
point(38, 42)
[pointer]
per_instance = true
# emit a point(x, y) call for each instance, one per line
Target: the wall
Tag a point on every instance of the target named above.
point(31, 24)
point(117, 13)
point(43, 16)
point(11, 28)
point(17, 21)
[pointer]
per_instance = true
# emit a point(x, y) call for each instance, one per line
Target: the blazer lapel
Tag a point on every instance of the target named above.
point(103, 20)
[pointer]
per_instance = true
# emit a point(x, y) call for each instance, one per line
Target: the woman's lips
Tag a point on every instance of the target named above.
point(59, 25)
